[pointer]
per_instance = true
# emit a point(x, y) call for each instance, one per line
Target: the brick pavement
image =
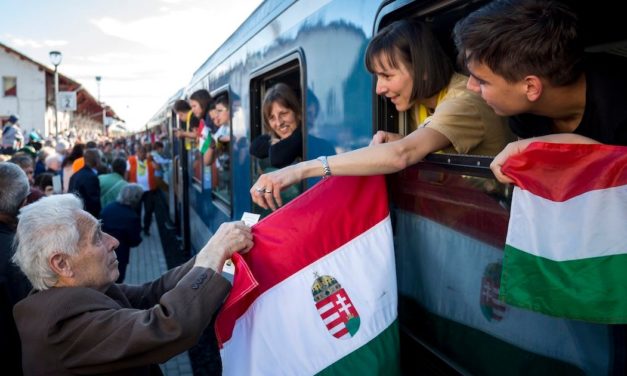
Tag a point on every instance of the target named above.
point(147, 262)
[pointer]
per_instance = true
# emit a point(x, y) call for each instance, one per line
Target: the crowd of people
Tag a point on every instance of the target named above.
point(71, 253)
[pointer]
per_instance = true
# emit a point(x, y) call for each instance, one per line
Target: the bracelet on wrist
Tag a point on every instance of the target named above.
point(326, 170)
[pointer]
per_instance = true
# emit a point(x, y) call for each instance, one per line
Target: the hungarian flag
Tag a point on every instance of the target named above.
point(317, 293)
point(204, 137)
point(566, 247)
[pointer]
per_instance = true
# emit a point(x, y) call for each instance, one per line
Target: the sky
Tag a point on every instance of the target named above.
point(144, 50)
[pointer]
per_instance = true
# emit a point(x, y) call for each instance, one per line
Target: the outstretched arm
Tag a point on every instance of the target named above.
point(376, 159)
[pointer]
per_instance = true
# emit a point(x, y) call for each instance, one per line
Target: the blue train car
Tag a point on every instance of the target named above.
point(450, 215)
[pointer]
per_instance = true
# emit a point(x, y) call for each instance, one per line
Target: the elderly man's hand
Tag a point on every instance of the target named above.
point(231, 237)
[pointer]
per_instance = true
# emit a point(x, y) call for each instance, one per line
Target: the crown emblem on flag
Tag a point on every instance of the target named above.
point(337, 311)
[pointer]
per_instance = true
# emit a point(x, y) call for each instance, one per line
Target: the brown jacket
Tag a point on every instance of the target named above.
point(125, 331)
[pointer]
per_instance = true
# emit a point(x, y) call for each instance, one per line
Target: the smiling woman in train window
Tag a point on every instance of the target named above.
point(283, 142)
point(416, 75)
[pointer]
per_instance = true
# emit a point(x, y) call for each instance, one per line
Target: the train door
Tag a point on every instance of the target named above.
point(287, 70)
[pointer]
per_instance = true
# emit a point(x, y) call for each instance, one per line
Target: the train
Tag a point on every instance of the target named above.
point(449, 214)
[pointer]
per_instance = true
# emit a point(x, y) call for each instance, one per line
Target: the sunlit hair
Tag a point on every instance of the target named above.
point(131, 195)
point(412, 43)
point(14, 188)
point(519, 38)
point(283, 95)
point(53, 160)
point(46, 227)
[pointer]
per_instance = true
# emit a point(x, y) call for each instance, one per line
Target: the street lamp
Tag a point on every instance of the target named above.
point(55, 59)
point(104, 112)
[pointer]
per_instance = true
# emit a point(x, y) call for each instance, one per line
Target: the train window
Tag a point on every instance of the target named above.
point(285, 81)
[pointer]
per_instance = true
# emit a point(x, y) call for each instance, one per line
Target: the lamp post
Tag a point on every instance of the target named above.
point(104, 112)
point(55, 59)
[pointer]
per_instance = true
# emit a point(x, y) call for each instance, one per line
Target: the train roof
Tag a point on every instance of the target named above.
point(258, 19)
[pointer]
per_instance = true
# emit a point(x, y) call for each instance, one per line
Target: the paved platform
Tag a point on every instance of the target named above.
point(147, 262)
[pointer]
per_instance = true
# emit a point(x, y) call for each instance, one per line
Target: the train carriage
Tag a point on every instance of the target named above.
point(450, 215)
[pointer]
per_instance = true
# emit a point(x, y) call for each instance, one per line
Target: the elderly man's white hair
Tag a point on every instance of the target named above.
point(46, 227)
point(131, 195)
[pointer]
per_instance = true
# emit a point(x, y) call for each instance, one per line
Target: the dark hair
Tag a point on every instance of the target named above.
point(119, 166)
point(516, 38)
point(22, 160)
point(43, 180)
point(77, 152)
point(222, 99)
point(91, 157)
point(158, 144)
point(181, 106)
point(285, 96)
point(203, 98)
point(413, 43)
point(91, 145)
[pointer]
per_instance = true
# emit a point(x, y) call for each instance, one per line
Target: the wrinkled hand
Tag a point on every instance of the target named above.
point(266, 192)
point(510, 150)
point(231, 237)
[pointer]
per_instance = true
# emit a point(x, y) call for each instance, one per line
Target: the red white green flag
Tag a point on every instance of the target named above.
point(204, 137)
point(566, 247)
point(317, 293)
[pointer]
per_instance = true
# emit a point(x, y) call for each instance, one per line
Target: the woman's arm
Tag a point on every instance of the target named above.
point(372, 160)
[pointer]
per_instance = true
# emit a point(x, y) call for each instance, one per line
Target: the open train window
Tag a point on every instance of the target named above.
point(440, 17)
point(286, 71)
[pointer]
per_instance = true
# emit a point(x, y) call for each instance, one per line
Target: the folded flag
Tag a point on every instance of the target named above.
point(317, 293)
point(566, 247)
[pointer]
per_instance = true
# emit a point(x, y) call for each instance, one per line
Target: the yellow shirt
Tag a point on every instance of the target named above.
point(467, 121)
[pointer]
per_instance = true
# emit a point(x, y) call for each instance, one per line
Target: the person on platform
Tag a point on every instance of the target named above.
point(14, 188)
point(120, 220)
point(78, 321)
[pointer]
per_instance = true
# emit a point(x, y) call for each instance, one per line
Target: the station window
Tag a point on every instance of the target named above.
point(9, 86)
point(285, 80)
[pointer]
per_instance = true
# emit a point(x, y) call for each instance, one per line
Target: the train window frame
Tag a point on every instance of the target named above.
point(221, 203)
point(289, 64)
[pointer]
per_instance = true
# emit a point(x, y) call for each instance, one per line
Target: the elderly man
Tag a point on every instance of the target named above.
point(77, 321)
point(14, 286)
